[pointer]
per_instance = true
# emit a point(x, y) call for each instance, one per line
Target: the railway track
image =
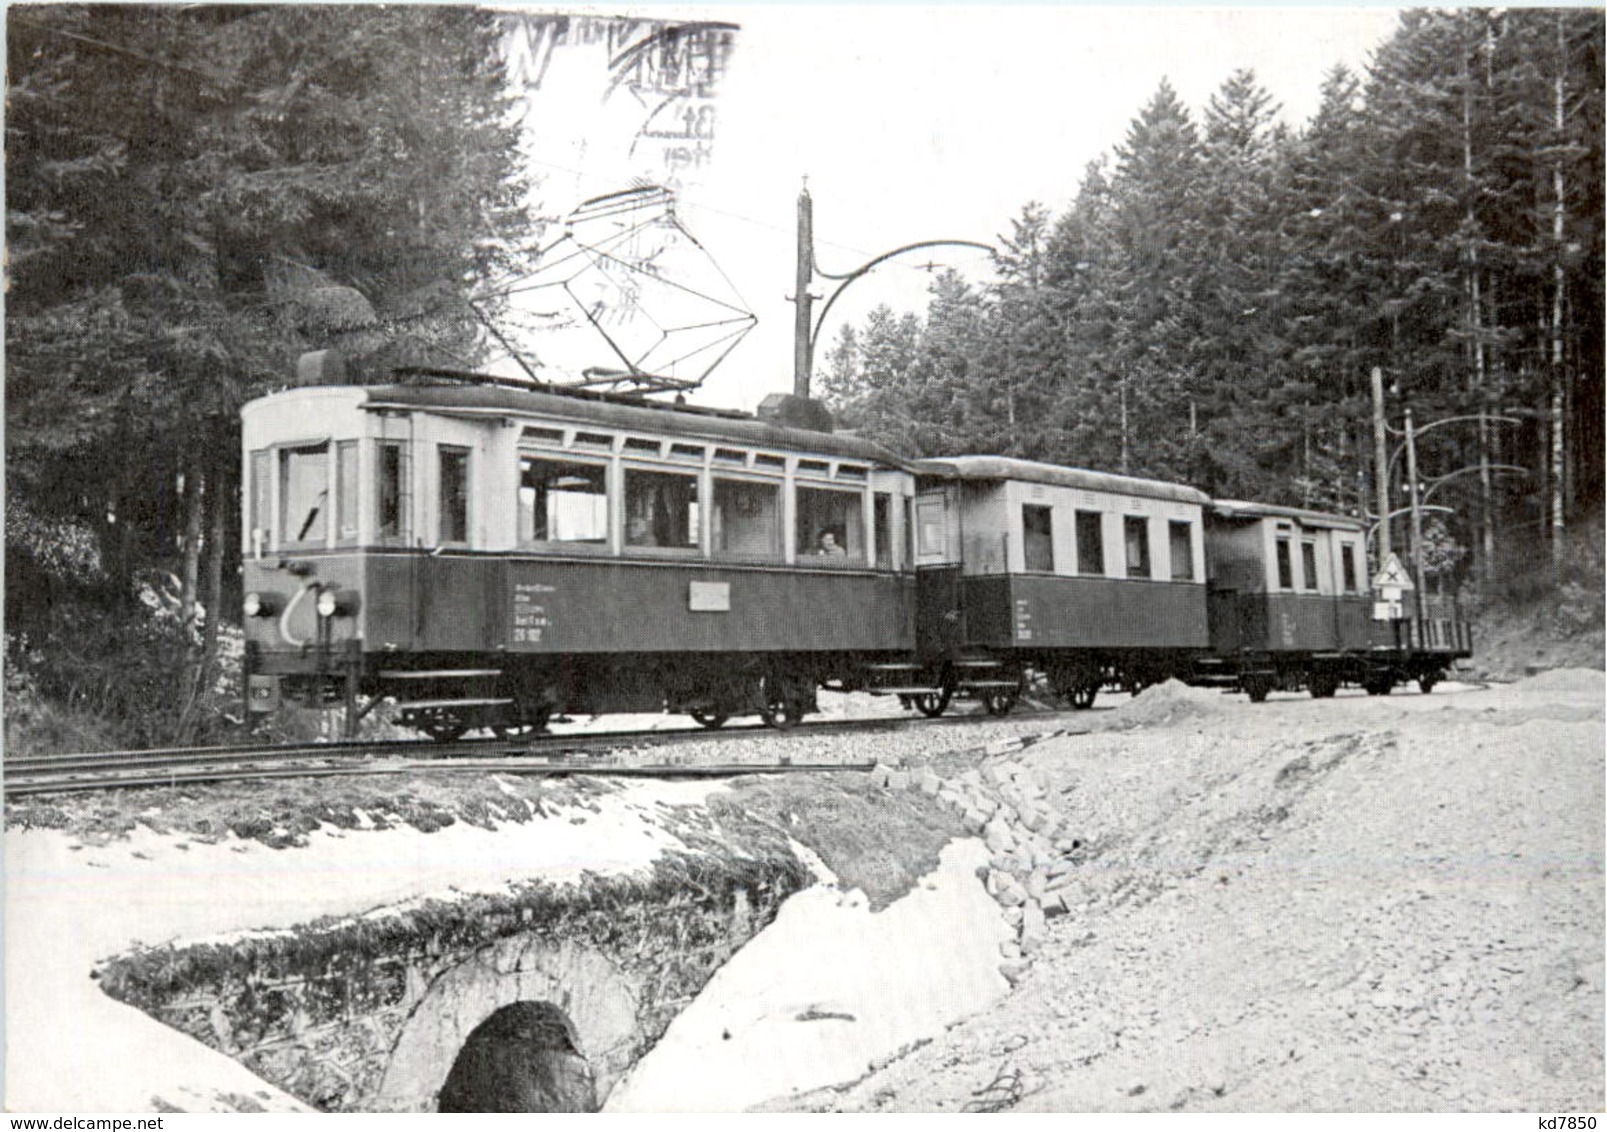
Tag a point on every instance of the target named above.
point(538, 755)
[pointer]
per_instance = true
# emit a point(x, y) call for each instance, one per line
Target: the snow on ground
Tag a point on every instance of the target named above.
point(1357, 904)
point(69, 904)
point(826, 990)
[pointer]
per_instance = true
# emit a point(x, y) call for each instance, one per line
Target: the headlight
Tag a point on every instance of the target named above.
point(261, 605)
point(333, 603)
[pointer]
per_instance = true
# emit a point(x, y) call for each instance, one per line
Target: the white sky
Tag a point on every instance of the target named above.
point(917, 122)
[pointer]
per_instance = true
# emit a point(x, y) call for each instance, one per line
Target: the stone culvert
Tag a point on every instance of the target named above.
point(538, 999)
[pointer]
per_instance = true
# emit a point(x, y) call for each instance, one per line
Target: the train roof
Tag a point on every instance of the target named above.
point(1242, 509)
point(645, 416)
point(1030, 471)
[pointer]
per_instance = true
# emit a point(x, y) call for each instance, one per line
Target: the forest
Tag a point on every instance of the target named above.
point(1211, 303)
point(197, 194)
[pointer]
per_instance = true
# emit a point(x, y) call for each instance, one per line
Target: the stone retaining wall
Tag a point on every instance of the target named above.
point(1035, 853)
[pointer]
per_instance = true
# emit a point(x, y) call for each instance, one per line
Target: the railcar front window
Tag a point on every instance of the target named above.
point(562, 501)
point(1347, 560)
point(831, 525)
point(391, 502)
point(661, 509)
point(930, 518)
point(454, 497)
point(260, 529)
point(1182, 550)
point(304, 494)
point(1286, 566)
point(346, 491)
point(1038, 538)
point(747, 518)
point(1137, 532)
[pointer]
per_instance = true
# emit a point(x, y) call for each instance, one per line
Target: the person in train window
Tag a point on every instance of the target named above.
point(829, 546)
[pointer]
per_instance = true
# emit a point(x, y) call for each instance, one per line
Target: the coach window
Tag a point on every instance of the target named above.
point(346, 491)
point(746, 518)
point(1286, 566)
point(1038, 538)
point(831, 525)
point(453, 500)
point(661, 509)
point(259, 531)
point(1308, 563)
point(1090, 543)
point(1136, 529)
point(562, 501)
point(393, 502)
point(304, 495)
point(1182, 542)
point(1347, 562)
point(882, 521)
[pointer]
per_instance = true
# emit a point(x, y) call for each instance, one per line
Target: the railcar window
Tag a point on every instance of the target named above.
point(831, 524)
point(454, 496)
point(747, 518)
point(1136, 528)
point(1182, 536)
point(638, 444)
point(661, 509)
point(1286, 566)
point(562, 501)
point(730, 456)
point(814, 467)
point(1347, 561)
point(544, 435)
point(1308, 564)
point(882, 520)
point(1090, 542)
point(304, 494)
point(259, 531)
point(909, 532)
point(346, 491)
point(930, 520)
point(765, 460)
point(392, 509)
point(1038, 537)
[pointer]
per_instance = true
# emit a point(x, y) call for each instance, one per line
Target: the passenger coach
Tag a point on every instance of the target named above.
point(490, 555)
point(1091, 578)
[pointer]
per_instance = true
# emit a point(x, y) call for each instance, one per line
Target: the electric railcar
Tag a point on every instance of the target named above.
point(481, 555)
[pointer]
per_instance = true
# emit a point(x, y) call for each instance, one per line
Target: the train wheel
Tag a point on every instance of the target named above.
point(778, 709)
point(444, 732)
point(780, 715)
point(1257, 688)
point(1378, 685)
point(999, 703)
point(1426, 682)
point(1322, 685)
point(932, 704)
point(710, 719)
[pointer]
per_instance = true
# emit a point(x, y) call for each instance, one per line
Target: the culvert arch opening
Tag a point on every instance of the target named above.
point(523, 1058)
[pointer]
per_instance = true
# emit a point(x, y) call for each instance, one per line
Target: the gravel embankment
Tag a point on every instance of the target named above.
point(1353, 904)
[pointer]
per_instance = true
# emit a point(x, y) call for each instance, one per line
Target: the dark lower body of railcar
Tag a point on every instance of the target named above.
point(1262, 642)
point(458, 641)
point(1083, 634)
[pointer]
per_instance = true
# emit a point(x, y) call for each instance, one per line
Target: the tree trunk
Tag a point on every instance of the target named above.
point(194, 510)
point(218, 500)
point(1559, 454)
